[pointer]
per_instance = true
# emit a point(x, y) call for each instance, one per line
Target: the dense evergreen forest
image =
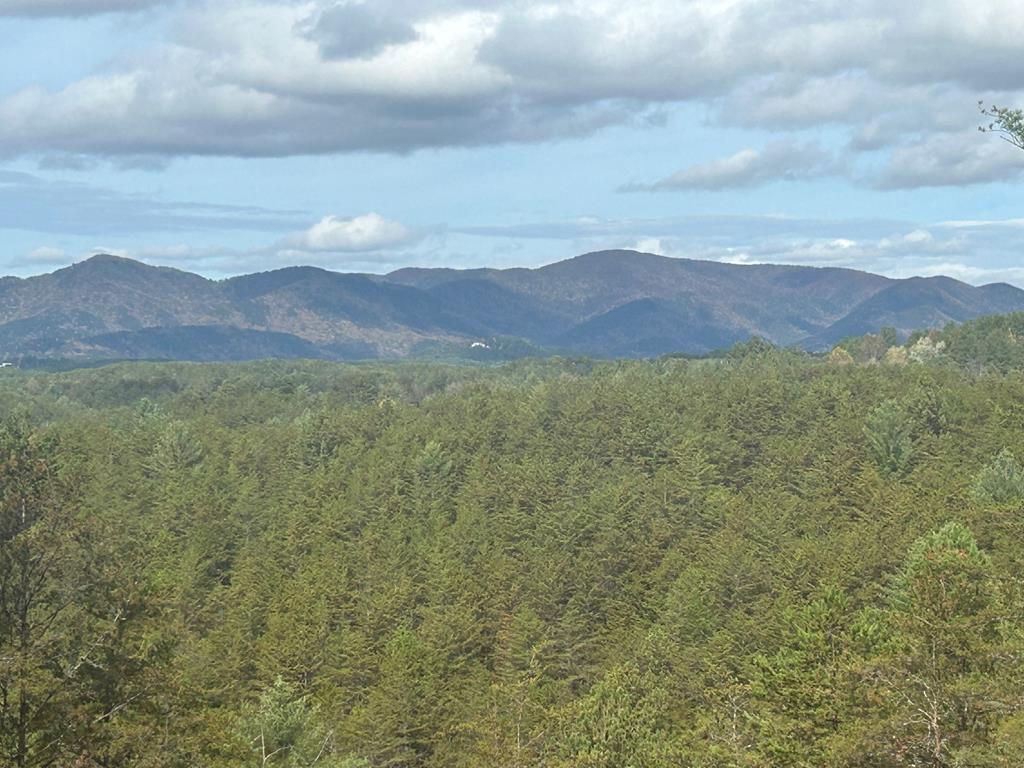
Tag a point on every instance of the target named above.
point(766, 559)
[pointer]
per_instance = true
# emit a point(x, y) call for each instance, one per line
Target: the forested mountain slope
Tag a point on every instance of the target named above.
point(768, 560)
point(608, 304)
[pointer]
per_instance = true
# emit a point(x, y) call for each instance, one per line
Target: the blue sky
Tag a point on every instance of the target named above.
point(227, 137)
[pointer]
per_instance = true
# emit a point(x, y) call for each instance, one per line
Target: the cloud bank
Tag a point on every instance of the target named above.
point(270, 78)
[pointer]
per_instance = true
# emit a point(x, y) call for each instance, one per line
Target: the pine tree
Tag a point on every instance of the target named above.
point(888, 439)
point(802, 684)
point(395, 726)
point(285, 729)
point(618, 724)
point(1001, 482)
point(60, 619)
point(943, 676)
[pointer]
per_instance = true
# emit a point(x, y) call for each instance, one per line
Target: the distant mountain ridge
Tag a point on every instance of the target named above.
point(606, 303)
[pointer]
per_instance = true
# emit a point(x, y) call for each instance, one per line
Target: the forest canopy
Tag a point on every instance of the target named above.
point(767, 559)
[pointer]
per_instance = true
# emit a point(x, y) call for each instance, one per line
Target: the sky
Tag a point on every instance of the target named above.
point(368, 135)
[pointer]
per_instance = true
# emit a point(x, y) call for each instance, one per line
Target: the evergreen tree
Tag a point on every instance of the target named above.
point(943, 676)
point(889, 439)
point(59, 618)
point(1001, 482)
point(285, 729)
point(619, 724)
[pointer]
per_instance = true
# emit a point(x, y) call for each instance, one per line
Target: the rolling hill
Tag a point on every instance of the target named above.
point(607, 303)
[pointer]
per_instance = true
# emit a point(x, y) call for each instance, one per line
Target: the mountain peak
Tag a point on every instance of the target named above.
point(612, 302)
point(107, 259)
point(108, 266)
point(619, 255)
point(112, 257)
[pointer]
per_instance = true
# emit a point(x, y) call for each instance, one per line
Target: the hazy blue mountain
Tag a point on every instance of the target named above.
point(607, 303)
point(921, 302)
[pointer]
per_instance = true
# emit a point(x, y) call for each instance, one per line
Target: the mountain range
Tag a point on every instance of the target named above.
point(607, 303)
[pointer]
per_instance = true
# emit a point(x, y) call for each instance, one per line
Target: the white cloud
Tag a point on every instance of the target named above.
point(284, 77)
point(948, 159)
point(47, 255)
point(889, 247)
point(978, 253)
point(968, 273)
point(357, 30)
point(650, 245)
point(982, 223)
point(369, 232)
point(859, 252)
point(780, 161)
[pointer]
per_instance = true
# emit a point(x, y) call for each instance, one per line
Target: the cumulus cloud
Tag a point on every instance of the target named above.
point(950, 160)
point(29, 8)
point(278, 77)
point(780, 161)
point(355, 29)
point(359, 234)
